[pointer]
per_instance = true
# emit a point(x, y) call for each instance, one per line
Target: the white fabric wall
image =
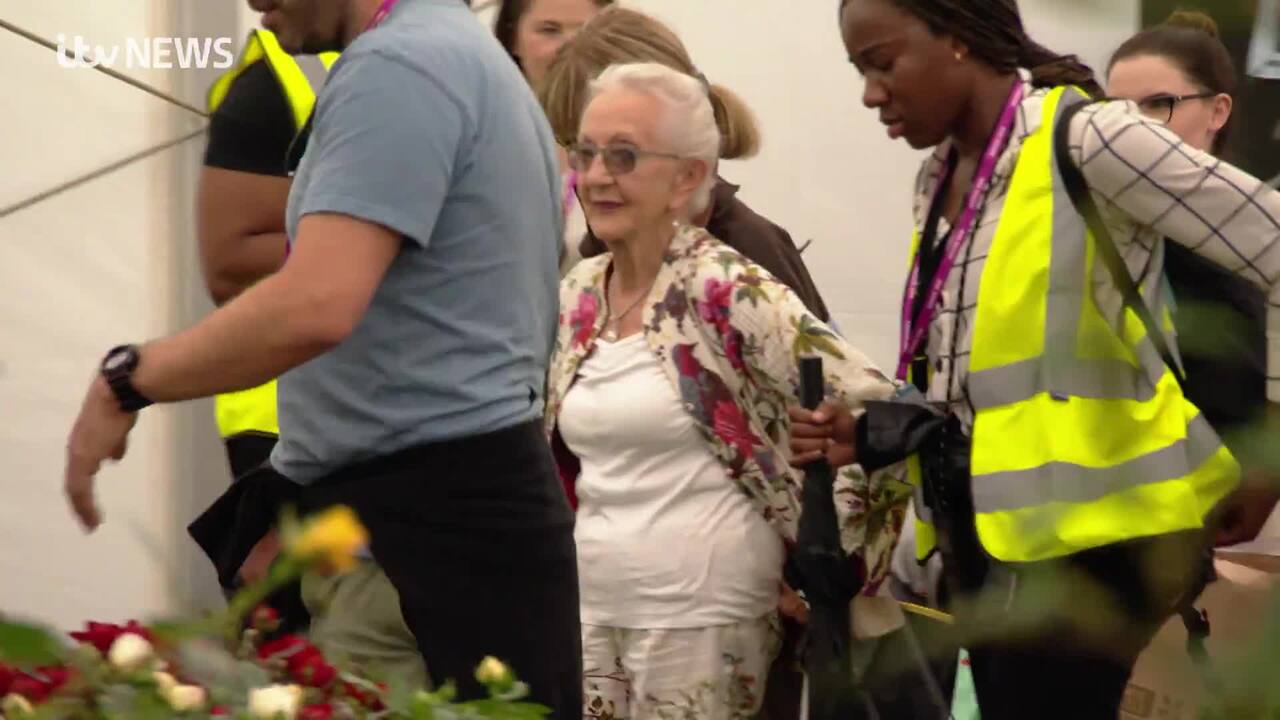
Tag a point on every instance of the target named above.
point(106, 263)
point(113, 262)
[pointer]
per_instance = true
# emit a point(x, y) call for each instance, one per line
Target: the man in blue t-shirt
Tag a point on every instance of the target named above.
point(411, 327)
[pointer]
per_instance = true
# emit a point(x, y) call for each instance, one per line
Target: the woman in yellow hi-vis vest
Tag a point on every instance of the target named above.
point(1070, 485)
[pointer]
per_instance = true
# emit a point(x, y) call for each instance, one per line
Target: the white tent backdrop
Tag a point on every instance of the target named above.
point(113, 260)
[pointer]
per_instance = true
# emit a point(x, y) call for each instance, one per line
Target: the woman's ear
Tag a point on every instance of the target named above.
point(691, 176)
point(1222, 106)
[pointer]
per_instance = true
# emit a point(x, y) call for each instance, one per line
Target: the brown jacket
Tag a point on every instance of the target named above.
point(763, 242)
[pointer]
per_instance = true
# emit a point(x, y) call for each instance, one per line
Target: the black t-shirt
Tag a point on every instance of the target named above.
point(253, 129)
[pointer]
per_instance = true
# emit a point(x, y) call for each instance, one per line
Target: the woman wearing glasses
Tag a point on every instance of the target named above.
point(620, 35)
point(674, 364)
point(1181, 75)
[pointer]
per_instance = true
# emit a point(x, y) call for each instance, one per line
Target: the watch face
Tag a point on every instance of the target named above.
point(118, 359)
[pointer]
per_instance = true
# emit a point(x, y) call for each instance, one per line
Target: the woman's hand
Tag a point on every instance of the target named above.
point(826, 433)
point(791, 605)
point(1245, 511)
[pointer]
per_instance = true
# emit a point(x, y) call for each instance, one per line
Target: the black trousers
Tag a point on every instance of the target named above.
point(1075, 661)
point(1059, 638)
point(245, 453)
point(476, 535)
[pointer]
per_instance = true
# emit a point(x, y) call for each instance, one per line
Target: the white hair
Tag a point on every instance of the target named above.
point(689, 128)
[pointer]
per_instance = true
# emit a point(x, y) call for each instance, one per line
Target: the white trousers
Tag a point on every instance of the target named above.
point(714, 673)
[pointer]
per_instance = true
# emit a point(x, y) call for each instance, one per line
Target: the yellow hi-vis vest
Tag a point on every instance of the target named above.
point(300, 79)
point(1081, 437)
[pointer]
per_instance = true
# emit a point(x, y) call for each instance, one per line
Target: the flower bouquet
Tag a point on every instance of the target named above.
point(218, 668)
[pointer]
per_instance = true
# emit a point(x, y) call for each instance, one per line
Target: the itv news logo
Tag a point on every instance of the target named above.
point(160, 53)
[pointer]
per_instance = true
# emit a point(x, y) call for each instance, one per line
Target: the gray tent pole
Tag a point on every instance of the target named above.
point(27, 34)
point(105, 170)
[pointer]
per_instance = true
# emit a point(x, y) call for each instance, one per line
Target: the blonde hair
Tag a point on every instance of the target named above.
point(620, 36)
point(689, 123)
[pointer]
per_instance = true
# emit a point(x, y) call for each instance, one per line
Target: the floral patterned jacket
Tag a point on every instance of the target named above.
point(729, 337)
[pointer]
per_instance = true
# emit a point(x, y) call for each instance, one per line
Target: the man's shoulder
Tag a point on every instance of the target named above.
point(439, 41)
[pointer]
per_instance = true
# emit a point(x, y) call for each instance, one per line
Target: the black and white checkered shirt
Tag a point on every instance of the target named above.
point(1149, 186)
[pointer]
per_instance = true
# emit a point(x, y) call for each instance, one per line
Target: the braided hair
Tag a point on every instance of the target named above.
point(993, 32)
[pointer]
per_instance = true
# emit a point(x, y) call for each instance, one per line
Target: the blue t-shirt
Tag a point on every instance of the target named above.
point(426, 127)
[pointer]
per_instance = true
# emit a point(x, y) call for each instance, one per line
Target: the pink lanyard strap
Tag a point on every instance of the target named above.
point(914, 333)
point(383, 11)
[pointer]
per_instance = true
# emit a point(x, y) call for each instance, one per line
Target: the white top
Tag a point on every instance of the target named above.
point(1148, 185)
point(666, 539)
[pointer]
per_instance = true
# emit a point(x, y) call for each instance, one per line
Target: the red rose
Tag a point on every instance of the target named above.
point(37, 686)
point(7, 675)
point(316, 712)
point(102, 635)
point(265, 619)
point(220, 711)
point(293, 649)
point(583, 318)
point(732, 428)
point(313, 671)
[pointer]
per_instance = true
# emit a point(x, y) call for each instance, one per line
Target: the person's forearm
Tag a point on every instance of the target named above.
point(236, 267)
point(889, 432)
point(274, 326)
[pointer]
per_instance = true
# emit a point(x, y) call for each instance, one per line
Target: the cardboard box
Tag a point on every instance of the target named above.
point(1166, 684)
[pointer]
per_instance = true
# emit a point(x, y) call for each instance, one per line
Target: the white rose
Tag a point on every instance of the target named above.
point(185, 698)
point(130, 652)
point(164, 682)
point(16, 706)
point(274, 702)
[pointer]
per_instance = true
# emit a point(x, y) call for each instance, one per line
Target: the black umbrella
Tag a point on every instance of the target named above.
point(826, 575)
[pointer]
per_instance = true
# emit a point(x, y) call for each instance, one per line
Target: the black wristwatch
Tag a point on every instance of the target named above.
point(117, 370)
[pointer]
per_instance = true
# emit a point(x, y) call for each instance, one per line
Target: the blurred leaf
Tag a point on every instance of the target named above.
point(27, 645)
point(211, 665)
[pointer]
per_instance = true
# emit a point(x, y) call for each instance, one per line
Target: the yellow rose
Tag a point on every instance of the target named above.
point(330, 539)
point(492, 671)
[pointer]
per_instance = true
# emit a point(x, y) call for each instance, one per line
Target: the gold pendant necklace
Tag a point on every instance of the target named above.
point(611, 326)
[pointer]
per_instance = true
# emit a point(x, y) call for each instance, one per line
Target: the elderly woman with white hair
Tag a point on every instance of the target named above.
point(675, 362)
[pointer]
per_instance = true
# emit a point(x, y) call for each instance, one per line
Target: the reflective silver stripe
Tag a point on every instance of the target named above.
point(1093, 379)
point(1069, 483)
point(314, 70)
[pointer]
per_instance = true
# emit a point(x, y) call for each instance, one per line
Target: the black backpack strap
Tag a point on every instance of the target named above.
point(1081, 198)
point(1195, 621)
